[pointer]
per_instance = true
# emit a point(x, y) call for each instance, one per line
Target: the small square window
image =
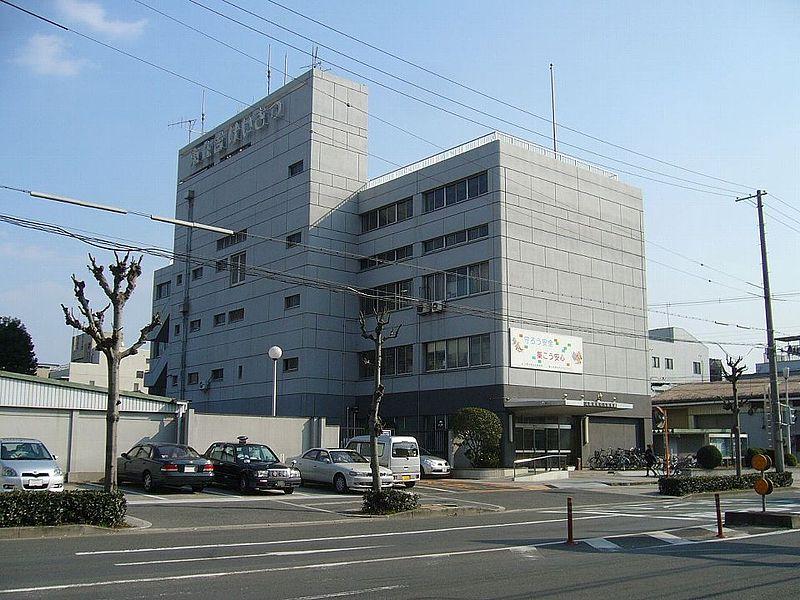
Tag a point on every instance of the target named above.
point(179, 279)
point(222, 265)
point(296, 168)
point(173, 380)
point(697, 368)
point(194, 325)
point(240, 372)
point(194, 378)
point(236, 315)
point(219, 319)
point(140, 374)
point(197, 273)
point(668, 363)
point(135, 387)
point(292, 301)
point(177, 330)
point(294, 239)
point(217, 374)
point(291, 364)
point(656, 362)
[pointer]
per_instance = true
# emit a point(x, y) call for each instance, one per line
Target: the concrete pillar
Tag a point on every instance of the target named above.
point(72, 445)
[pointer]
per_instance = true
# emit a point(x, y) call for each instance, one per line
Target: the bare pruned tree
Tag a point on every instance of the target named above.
point(732, 374)
point(378, 337)
point(124, 274)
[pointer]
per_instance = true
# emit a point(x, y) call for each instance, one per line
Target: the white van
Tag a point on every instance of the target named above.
point(400, 453)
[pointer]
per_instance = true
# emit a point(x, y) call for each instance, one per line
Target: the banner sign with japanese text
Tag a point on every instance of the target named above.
point(546, 351)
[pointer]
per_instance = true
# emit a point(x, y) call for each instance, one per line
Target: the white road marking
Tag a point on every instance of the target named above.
point(127, 491)
point(430, 487)
point(649, 516)
point(307, 506)
point(384, 588)
point(237, 556)
point(466, 501)
point(336, 538)
point(669, 538)
point(602, 544)
point(361, 561)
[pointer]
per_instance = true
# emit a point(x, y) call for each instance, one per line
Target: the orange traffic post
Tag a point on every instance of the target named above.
point(570, 537)
point(720, 534)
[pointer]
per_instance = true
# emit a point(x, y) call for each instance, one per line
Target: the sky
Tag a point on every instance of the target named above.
point(713, 87)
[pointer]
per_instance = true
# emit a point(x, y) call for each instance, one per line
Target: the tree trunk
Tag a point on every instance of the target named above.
point(112, 419)
point(374, 422)
point(737, 450)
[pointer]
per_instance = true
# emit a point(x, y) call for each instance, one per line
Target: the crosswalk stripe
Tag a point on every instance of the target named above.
point(602, 544)
point(669, 538)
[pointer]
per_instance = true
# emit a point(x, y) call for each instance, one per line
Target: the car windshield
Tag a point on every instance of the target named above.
point(248, 452)
point(347, 456)
point(24, 451)
point(170, 452)
point(404, 449)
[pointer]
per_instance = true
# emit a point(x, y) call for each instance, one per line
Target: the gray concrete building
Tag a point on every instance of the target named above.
point(676, 357)
point(516, 275)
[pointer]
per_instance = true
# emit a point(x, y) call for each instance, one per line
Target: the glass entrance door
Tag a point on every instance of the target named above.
point(538, 436)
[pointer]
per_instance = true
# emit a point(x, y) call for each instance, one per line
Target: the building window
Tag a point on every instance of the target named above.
point(217, 374)
point(177, 330)
point(240, 372)
point(457, 353)
point(231, 240)
point(394, 361)
point(197, 273)
point(162, 290)
point(293, 239)
point(697, 368)
point(390, 296)
point(668, 363)
point(291, 364)
point(237, 267)
point(222, 265)
point(219, 319)
point(194, 325)
point(236, 315)
point(140, 374)
point(387, 215)
point(656, 362)
point(179, 279)
point(135, 387)
point(296, 168)
point(455, 192)
point(389, 256)
point(292, 301)
point(173, 380)
point(193, 378)
point(457, 283)
point(455, 238)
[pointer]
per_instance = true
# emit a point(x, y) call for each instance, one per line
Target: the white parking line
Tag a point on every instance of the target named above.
point(237, 556)
point(602, 544)
point(669, 538)
point(127, 491)
point(384, 588)
point(308, 506)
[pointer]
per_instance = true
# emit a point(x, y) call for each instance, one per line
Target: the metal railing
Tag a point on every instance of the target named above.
point(560, 460)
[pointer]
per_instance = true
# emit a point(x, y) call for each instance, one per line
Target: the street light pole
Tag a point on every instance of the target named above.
point(275, 353)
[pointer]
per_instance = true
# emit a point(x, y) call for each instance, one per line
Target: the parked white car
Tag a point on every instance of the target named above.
point(432, 466)
point(400, 453)
point(26, 464)
point(345, 469)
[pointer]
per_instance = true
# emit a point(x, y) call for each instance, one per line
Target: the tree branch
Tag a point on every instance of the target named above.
point(131, 276)
point(146, 330)
point(97, 271)
point(362, 321)
point(95, 319)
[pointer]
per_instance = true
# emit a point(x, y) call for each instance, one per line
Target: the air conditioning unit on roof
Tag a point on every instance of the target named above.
point(437, 306)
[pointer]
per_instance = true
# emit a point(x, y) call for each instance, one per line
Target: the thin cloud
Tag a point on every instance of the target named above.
point(47, 55)
point(93, 15)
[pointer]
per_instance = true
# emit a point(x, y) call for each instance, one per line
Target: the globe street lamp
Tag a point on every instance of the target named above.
point(275, 353)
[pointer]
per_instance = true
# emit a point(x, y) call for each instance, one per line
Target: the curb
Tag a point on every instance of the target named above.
point(433, 510)
point(64, 531)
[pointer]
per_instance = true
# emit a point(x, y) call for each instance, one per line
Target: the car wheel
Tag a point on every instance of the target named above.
point(147, 482)
point(198, 488)
point(288, 490)
point(410, 484)
point(243, 487)
point(340, 483)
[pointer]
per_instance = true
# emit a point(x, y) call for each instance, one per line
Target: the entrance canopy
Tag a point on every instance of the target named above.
point(564, 406)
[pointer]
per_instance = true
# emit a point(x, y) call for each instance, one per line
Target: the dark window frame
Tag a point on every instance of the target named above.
point(291, 364)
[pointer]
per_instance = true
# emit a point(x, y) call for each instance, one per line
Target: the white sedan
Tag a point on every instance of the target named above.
point(431, 465)
point(344, 469)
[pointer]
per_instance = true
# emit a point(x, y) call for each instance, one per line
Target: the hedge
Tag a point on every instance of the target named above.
point(680, 486)
point(82, 507)
point(387, 502)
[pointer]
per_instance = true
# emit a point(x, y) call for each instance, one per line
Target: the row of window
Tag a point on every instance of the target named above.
point(390, 296)
point(455, 192)
point(697, 367)
point(232, 239)
point(386, 215)
point(455, 238)
point(388, 256)
point(193, 378)
point(457, 283)
point(394, 361)
point(458, 353)
point(232, 316)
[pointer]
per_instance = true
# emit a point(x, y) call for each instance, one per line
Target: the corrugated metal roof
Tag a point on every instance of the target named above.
point(29, 391)
point(708, 391)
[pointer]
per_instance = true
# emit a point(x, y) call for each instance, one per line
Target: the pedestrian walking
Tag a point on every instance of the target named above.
point(650, 461)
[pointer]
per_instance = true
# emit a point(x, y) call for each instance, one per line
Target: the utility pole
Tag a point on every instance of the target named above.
point(774, 399)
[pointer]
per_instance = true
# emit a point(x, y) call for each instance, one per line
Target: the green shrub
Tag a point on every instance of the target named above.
point(709, 457)
point(680, 486)
point(88, 507)
point(480, 430)
point(387, 502)
point(750, 453)
point(790, 460)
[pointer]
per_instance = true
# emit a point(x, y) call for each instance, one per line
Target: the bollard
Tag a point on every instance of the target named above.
point(570, 538)
point(719, 517)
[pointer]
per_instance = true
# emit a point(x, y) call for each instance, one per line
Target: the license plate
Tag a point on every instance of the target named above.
point(280, 483)
point(189, 469)
point(36, 483)
point(406, 477)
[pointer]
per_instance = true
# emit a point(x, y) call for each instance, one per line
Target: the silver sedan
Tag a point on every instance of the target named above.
point(344, 469)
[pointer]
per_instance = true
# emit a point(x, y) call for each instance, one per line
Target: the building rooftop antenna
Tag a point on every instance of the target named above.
point(269, 71)
point(187, 124)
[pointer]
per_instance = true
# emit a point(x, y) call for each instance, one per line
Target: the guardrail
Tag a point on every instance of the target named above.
point(548, 458)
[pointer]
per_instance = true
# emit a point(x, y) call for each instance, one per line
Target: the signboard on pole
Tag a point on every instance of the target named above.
point(546, 351)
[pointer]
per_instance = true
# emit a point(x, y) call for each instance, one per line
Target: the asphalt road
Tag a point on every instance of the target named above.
point(635, 546)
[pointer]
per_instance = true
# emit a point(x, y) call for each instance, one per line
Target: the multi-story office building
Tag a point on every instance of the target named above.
point(516, 275)
point(676, 357)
